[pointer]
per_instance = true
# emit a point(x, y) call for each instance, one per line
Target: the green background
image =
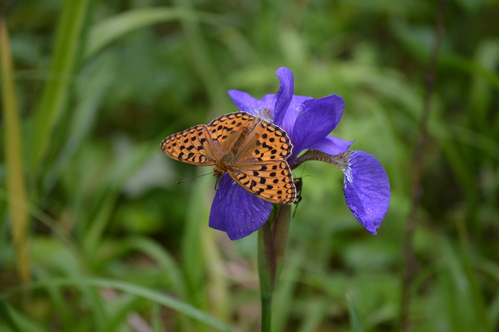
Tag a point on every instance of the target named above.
point(114, 241)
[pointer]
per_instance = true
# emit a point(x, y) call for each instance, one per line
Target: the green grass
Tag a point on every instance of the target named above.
point(110, 238)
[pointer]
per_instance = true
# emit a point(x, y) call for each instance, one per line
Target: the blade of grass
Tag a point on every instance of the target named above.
point(83, 120)
point(282, 311)
point(480, 100)
point(314, 314)
point(173, 274)
point(491, 269)
point(16, 320)
point(461, 311)
point(6, 315)
point(478, 302)
point(157, 324)
point(13, 157)
point(162, 257)
point(55, 295)
point(203, 60)
point(123, 308)
point(118, 173)
point(218, 291)
point(354, 316)
point(106, 31)
point(56, 90)
point(194, 259)
point(149, 294)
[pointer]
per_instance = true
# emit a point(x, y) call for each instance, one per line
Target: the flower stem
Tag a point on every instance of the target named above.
point(266, 313)
point(266, 269)
point(272, 238)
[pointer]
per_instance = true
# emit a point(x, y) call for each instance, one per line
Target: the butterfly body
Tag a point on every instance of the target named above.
point(251, 150)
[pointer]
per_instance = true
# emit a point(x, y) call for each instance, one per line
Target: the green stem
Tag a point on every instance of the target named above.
point(266, 313)
point(15, 183)
point(272, 238)
point(266, 269)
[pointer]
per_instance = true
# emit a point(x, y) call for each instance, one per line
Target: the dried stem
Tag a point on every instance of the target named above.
point(410, 261)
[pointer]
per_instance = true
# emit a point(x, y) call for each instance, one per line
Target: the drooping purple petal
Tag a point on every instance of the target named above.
point(284, 95)
point(331, 145)
point(246, 103)
point(367, 189)
point(236, 211)
point(319, 118)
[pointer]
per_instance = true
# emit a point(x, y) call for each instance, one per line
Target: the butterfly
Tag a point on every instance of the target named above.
point(252, 150)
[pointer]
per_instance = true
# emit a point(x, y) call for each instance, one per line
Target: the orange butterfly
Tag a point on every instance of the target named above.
point(252, 150)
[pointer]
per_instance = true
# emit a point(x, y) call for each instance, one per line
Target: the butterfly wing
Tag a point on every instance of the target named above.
point(261, 166)
point(192, 146)
point(265, 142)
point(259, 150)
point(269, 180)
point(206, 144)
point(230, 130)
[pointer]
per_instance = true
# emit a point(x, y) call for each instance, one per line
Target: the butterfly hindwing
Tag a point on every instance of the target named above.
point(269, 180)
point(191, 146)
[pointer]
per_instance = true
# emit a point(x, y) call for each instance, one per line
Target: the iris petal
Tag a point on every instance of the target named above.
point(236, 211)
point(319, 118)
point(246, 103)
point(367, 189)
point(284, 95)
point(331, 145)
point(294, 110)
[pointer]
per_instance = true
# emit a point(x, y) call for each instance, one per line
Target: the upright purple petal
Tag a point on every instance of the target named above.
point(331, 145)
point(246, 103)
point(319, 118)
point(294, 110)
point(367, 189)
point(236, 211)
point(284, 95)
point(296, 102)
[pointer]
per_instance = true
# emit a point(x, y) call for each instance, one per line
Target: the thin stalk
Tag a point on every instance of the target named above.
point(410, 266)
point(266, 269)
point(272, 238)
point(13, 157)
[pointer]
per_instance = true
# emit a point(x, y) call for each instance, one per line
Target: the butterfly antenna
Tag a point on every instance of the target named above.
point(194, 177)
point(217, 183)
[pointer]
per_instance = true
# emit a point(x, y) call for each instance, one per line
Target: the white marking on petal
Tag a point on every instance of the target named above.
point(348, 175)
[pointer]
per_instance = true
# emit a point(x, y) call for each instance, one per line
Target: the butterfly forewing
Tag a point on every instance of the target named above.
point(192, 146)
point(270, 180)
point(231, 129)
point(266, 142)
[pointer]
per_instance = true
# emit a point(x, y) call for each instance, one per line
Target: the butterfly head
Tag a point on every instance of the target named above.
point(224, 164)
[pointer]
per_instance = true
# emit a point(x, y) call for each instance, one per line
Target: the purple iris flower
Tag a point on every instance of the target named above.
point(308, 123)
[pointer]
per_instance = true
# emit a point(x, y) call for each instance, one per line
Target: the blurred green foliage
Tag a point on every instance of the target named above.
point(115, 242)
